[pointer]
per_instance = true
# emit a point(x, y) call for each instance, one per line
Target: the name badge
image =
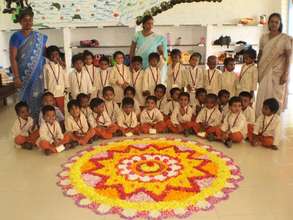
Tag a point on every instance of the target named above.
point(152, 131)
point(129, 134)
point(60, 148)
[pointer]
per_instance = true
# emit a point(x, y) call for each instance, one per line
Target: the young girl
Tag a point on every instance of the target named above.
point(55, 77)
point(173, 103)
point(160, 93)
point(103, 75)
point(137, 78)
point(229, 77)
point(91, 71)
point(130, 92)
point(248, 77)
point(212, 76)
point(111, 106)
point(79, 80)
point(120, 77)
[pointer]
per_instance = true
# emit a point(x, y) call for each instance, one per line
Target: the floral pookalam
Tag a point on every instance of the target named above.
point(149, 178)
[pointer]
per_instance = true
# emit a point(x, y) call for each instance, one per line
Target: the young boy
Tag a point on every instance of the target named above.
point(100, 120)
point(173, 103)
point(200, 100)
point(267, 130)
point(91, 71)
point(223, 98)
point(152, 74)
point(84, 100)
point(176, 71)
point(127, 119)
point(120, 77)
point(52, 139)
point(137, 78)
point(111, 106)
point(248, 112)
point(160, 93)
point(234, 128)
point(76, 124)
point(151, 119)
point(212, 76)
point(79, 80)
point(209, 118)
point(130, 92)
point(248, 77)
point(181, 116)
point(24, 131)
point(103, 75)
point(55, 77)
point(229, 77)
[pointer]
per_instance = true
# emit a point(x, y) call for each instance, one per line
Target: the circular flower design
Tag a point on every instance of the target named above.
point(149, 178)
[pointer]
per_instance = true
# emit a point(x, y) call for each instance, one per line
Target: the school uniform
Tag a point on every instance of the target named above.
point(169, 107)
point(87, 112)
point(80, 82)
point(81, 126)
point(21, 131)
point(249, 114)
point(136, 107)
point(103, 80)
point(152, 119)
point(268, 130)
point(213, 81)
point(248, 78)
point(229, 81)
point(181, 121)
point(137, 83)
point(175, 76)
point(128, 122)
point(197, 107)
point(120, 74)
point(224, 109)
point(112, 110)
point(91, 71)
point(59, 116)
point(56, 82)
point(161, 103)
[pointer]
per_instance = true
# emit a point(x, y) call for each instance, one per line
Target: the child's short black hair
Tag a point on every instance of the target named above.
point(137, 59)
point(200, 91)
point(108, 88)
point(196, 54)
point(234, 99)
point(96, 102)
point(20, 105)
point(245, 94)
point(211, 58)
point(223, 92)
point(81, 96)
point(131, 89)
point(52, 49)
point(48, 108)
point(175, 52)
point(87, 53)
point(47, 94)
point(72, 103)
point(118, 53)
point(212, 96)
point(104, 59)
point(272, 104)
point(173, 90)
point(127, 101)
point(154, 55)
point(251, 53)
point(152, 97)
point(228, 60)
point(186, 94)
point(77, 57)
point(161, 86)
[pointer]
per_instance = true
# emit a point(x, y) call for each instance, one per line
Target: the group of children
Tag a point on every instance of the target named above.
point(129, 101)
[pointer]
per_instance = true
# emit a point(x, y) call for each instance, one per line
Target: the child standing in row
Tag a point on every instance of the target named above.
point(130, 92)
point(103, 75)
point(212, 76)
point(160, 93)
point(223, 97)
point(173, 103)
point(137, 74)
point(200, 100)
point(91, 71)
point(111, 106)
point(229, 77)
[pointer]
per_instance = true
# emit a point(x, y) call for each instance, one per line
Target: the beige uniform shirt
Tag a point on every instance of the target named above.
point(22, 127)
point(152, 116)
point(247, 80)
point(127, 120)
point(229, 81)
point(235, 123)
point(80, 125)
point(137, 83)
point(91, 71)
point(79, 83)
point(176, 76)
point(169, 107)
point(99, 121)
point(103, 80)
point(212, 117)
point(177, 117)
point(112, 110)
point(50, 132)
point(249, 114)
point(213, 81)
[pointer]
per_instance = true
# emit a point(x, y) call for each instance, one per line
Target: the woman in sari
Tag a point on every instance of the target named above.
point(146, 41)
point(27, 61)
point(274, 61)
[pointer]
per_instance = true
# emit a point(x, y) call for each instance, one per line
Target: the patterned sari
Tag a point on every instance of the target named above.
point(30, 59)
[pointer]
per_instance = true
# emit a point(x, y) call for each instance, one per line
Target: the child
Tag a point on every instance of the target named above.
point(248, 77)
point(212, 76)
point(55, 77)
point(160, 93)
point(209, 118)
point(248, 112)
point(181, 116)
point(267, 129)
point(111, 106)
point(223, 97)
point(130, 92)
point(103, 75)
point(23, 130)
point(91, 71)
point(173, 103)
point(137, 78)
point(76, 124)
point(234, 128)
point(194, 76)
point(83, 100)
point(79, 80)
point(127, 119)
point(176, 71)
point(229, 77)
point(152, 74)
point(100, 120)
point(51, 136)
point(120, 77)
point(151, 119)
point(200, 100)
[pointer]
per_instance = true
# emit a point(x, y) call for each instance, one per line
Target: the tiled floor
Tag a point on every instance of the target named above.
point(28, 188)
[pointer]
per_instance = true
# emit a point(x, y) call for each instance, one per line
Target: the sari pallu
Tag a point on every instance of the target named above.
point(30, 59)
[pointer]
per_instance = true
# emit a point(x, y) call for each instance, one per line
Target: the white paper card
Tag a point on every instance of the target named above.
point(201, 134)
point(129, 134)
point(60, 148)
point(152, 131)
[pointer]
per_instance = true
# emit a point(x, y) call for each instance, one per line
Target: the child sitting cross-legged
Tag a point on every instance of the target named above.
point(200, 100)
point(130, 92)
point(83, 100)
point(223, 98)
point(160, 93)
point(173, 103)
point(111, 107)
